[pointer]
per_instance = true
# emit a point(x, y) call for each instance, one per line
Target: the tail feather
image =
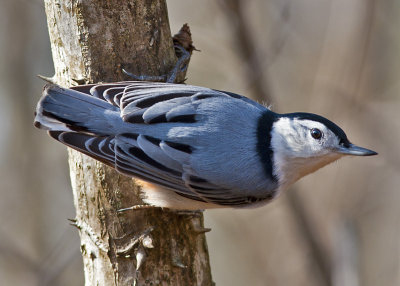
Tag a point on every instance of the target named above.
point(100, 148)
point(62, 109)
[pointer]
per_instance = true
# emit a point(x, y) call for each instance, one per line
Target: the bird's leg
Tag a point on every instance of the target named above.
point(180, 66)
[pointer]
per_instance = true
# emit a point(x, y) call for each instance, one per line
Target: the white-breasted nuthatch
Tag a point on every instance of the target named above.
point(195, 147)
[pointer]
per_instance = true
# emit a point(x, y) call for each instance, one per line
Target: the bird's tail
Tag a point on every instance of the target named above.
point(62, 109)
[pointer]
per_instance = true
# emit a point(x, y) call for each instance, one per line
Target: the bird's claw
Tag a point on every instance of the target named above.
point(180, 67)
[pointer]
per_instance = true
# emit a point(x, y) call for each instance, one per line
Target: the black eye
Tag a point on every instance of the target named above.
point(316, 133)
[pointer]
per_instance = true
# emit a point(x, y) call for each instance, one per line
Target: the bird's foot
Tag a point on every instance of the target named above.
point(180, 66)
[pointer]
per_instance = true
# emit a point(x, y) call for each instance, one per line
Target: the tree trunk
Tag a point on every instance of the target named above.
point(91, 40)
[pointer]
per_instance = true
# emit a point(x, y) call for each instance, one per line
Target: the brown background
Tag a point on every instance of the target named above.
point(338, 58)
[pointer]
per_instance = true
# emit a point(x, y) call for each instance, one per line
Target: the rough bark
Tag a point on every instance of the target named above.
point(91, 40)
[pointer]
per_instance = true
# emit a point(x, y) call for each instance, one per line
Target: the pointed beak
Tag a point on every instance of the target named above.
point(355, 151)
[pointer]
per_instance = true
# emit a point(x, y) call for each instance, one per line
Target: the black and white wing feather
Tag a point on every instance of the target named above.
point(153, 131)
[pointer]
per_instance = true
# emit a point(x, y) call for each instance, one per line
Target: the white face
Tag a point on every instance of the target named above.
point(300, 147)
point(300, 138)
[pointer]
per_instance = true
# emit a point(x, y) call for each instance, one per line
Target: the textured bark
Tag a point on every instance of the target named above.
point(90, 41)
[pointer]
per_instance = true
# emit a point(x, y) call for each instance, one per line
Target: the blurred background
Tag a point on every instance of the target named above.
point(337, 58)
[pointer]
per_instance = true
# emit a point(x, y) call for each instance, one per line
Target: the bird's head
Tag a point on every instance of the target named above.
point(303, 142)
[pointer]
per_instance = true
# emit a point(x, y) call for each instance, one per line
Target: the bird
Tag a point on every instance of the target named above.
point(191, 147)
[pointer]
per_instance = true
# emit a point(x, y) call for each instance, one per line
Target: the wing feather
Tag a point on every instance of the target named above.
point(157, 160)
point(162, 108)
point(151, 146)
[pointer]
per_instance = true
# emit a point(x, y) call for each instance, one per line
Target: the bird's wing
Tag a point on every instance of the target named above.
point(163, 162)
point(135, 96)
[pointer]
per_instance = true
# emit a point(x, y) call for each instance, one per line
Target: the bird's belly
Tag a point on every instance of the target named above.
point(161, 197)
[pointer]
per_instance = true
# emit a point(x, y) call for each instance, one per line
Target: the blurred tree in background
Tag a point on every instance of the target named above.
point(335, 58)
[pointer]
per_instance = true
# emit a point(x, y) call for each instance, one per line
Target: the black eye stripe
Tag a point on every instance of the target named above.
point(316, 133)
